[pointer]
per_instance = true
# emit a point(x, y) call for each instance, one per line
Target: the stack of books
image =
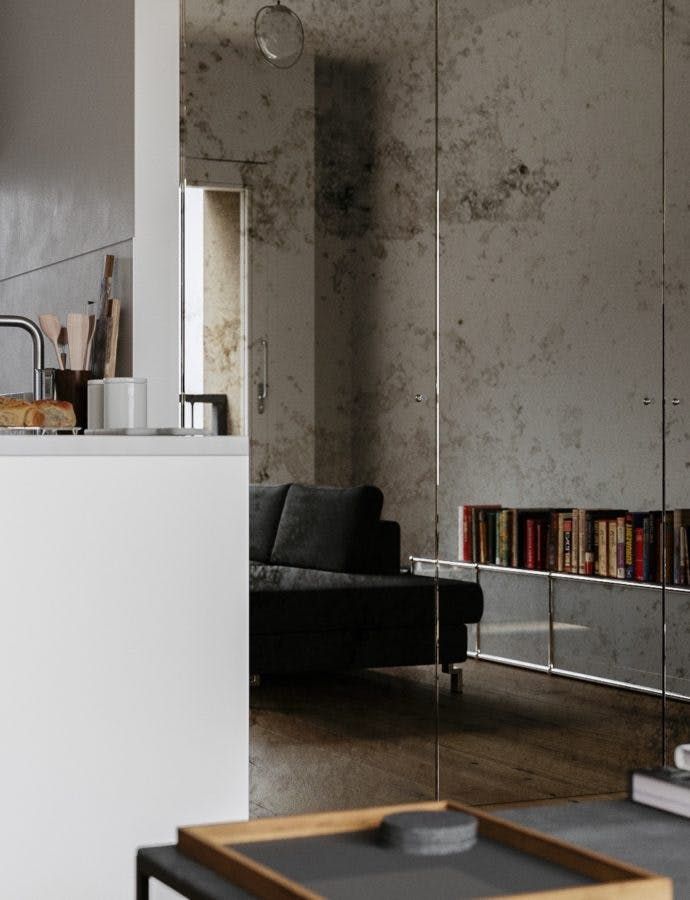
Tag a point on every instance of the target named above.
point(665, 788)
point(612, 543)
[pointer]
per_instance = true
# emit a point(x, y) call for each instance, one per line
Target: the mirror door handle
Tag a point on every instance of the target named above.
point(263, 385)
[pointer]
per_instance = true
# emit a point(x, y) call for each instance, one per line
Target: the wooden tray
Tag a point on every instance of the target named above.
point(215, 846)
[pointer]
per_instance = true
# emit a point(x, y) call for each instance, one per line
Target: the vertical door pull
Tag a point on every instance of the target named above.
point(263, 385)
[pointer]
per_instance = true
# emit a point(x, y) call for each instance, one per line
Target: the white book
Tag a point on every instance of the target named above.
point(667, 788)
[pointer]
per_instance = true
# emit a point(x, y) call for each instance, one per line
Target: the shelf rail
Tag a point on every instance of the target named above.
point(552, 578)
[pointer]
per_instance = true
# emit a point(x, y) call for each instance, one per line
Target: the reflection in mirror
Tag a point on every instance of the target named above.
point(336, 158)
point(677, 374)
point(214, 315)
point(551, 171)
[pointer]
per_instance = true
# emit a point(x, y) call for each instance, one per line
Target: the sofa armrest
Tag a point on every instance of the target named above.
point(382, 556)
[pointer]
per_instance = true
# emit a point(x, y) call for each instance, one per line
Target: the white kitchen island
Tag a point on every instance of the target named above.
point(123, 653)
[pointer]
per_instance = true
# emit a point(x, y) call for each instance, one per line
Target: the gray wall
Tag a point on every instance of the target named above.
point(66, 164)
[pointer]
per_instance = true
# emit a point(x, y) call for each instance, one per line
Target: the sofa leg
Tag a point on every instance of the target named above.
point(455, 672)
point(255, 681)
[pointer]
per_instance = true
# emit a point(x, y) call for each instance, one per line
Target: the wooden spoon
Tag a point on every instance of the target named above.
point(50, 325)
point(92, 328)
point(78, 336)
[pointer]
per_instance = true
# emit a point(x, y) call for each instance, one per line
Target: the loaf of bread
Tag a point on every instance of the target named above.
point(39, 414)
point(34, 417)
point(56, 413)
point(13, 412)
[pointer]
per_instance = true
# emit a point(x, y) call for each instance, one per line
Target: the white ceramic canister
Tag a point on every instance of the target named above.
point(681, 756)
point(94, 403)
point(124, 403)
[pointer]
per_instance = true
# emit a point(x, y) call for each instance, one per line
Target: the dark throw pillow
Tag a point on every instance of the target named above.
point(325, 527)
point(265, 507)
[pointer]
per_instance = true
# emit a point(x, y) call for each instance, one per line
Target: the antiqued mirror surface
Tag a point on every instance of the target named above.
point(677, 383)
point(334, 160)
point(545, 121)
point(551, 397)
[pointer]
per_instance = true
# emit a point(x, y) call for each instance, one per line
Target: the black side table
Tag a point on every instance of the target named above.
point(637, 834)
point(190, 879)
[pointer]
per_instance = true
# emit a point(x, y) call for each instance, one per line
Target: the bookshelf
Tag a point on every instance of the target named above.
point(603, 630)
point(620, 544)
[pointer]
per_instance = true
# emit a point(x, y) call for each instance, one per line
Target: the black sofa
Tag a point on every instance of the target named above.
point(327, 592)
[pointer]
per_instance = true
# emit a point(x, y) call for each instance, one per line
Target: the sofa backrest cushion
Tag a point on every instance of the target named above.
point(266, 503)
point(326, 528)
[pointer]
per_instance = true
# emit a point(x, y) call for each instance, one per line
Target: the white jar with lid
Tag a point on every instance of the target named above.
point(124, 403)
point(94, 403)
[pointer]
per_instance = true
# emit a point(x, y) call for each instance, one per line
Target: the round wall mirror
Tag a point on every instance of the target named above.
point(279, 35)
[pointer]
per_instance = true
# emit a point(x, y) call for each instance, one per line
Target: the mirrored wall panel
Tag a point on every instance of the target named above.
point(677, 387)
point(551, 394)
point(310, 304)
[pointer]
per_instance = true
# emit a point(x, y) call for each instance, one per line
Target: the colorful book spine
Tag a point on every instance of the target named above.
point(541, 540)
point(582, 541)
point(654, 545)
point(646, 549)
point(684, 555)
point(560, 543)
point(668, 545)
point(503, 539)
point(589, 544)
point(638, 540)
point(575, 540)
point(530, 543)
point(629, 548)
point(475, 534)
point(514, 538)
point(483, 538)
point(491, 517)
point(465, 550)
point(601, 562)
point(612, 547)
point(681, 520)
point(620, 547)
point(567, 544)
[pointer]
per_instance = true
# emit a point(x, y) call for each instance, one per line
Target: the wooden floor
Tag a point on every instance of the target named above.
point(367, 738)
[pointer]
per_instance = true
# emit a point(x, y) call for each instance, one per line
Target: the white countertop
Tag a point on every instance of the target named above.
point(97, 445)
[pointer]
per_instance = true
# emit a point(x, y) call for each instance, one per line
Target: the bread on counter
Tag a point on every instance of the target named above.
point(39, 414)
point(34, 417)
point(57, 413)
point(13, 412)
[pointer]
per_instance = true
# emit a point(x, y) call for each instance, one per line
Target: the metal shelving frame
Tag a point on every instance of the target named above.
point(551, 578)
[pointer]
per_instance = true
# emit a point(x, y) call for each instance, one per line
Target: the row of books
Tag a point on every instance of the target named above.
point(613, 543)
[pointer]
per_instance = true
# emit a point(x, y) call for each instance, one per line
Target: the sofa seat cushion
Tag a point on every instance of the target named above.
point(327, 528)
point(266, 503)
point(289, 600)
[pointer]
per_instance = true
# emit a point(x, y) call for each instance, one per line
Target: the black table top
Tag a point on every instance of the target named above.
point(637, 834)
point(630, 832)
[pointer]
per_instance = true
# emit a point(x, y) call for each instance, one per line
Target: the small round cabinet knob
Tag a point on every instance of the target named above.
point(675, 401)
point(420, 398)
point(647, 401)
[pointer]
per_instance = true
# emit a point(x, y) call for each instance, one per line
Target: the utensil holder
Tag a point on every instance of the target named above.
point(70, 385)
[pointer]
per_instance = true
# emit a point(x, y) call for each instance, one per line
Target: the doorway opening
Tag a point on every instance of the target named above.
point(214, 369)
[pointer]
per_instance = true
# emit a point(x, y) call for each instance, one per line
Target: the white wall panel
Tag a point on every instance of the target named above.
point(123, 661)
